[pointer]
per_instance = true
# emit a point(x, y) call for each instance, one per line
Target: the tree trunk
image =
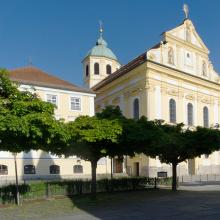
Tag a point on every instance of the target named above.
point(93, 186)
point(16, 177)
point(174, 179)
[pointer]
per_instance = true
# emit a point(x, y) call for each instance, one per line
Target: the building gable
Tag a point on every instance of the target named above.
point(186, 32)
point(182, 48)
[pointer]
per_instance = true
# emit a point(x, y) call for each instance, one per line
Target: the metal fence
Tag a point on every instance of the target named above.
point(200, 178)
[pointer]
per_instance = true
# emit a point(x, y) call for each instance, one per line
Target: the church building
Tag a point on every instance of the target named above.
point(174, 81)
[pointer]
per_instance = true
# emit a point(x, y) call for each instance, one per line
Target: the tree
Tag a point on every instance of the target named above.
point(24, 118)
point(137, 135)
point(90, 139)
point(123, 146)
point(26, 122)
point(176, 144)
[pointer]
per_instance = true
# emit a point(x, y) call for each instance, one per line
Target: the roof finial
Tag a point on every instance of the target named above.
point(100, 27)
point(186, 11)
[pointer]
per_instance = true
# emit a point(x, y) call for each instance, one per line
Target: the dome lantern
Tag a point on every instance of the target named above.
point(99, 62)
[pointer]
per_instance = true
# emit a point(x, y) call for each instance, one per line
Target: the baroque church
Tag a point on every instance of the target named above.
point(174, 81)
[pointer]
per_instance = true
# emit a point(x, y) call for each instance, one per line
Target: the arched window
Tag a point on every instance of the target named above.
point(77, 169)
point(136, 109)
point(108, 69)
point(96, 69)
point(29, 169)
point(204, 69)
point(3, 169)
point(190, 114)
point(205, 117)
point(170, 56)
point(54, 169)
point(188, 35)
point(172, 105)
point(87, 70)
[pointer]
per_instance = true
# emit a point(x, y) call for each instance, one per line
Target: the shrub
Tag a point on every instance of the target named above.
point(39, 190)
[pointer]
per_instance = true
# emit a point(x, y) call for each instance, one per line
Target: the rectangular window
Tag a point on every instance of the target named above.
point(52, 99)
point(75, 103)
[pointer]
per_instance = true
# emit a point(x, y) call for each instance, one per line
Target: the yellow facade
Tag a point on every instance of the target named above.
point(177, 68)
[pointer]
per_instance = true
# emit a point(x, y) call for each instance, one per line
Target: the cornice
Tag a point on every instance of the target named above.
point(194, 79)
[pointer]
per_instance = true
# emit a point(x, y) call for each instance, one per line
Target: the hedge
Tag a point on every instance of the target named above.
point(41, 190)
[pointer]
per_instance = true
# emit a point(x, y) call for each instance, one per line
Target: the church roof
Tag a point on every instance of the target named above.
point(36, 77)
point(122, 71)
point(143, 57)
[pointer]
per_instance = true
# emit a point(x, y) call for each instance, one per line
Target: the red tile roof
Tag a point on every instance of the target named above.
point(36, 77)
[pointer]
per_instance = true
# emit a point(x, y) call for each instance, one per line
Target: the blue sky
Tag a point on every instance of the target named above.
point(57, 34)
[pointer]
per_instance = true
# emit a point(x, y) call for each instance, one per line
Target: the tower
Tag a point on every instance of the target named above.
point(99, 62)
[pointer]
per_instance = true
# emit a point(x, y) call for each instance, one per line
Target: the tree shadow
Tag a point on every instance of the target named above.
point(109, 195)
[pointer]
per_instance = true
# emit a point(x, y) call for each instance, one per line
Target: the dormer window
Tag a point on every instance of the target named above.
point(204, 69)
point(170, 56)
point(96, 69)
point(188, 35)
point(108, 69)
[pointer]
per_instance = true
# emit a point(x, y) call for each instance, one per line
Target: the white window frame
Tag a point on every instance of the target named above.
point(51, 94)
point(80, 103)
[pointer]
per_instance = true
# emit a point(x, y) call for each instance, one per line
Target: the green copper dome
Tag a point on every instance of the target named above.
point(101, 49)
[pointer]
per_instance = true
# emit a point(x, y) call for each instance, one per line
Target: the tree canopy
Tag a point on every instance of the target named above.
point(91, 138)
point(177, 144)
point(26, 122)
point(135, 133)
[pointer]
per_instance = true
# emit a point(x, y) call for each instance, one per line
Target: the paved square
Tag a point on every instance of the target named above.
point(160, 204)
